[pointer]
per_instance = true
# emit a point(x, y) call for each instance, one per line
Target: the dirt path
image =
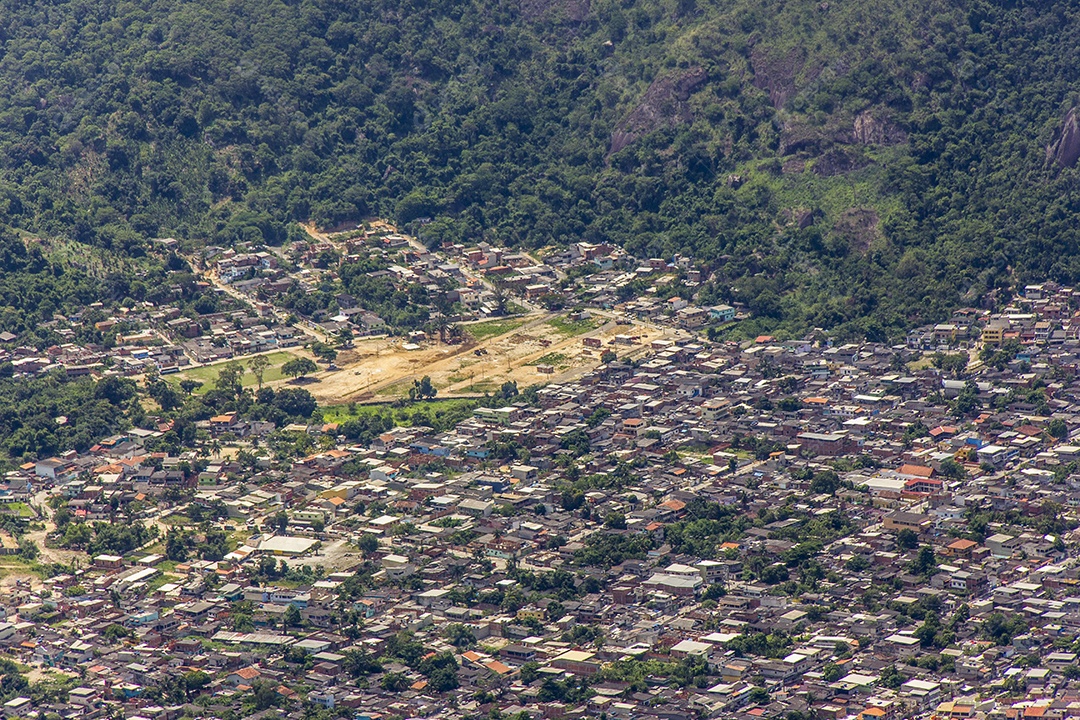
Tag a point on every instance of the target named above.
point(49, 555)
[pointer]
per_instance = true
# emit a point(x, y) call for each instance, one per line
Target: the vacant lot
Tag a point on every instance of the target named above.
point(207, 374)
point(493, 328)
point(402, 415)
point(566, 326)
point(382, 369)
point(19, 509)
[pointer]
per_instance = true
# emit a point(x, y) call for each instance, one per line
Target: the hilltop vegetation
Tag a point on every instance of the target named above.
point(847, 165)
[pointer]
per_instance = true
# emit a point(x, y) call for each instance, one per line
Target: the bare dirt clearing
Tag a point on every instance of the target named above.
point(536, 351)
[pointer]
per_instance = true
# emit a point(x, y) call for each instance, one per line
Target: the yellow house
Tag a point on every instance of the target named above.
point(994, 333)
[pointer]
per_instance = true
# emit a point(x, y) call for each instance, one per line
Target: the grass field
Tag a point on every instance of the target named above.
point(552, 358)
point(18, 509)
point(207, 374)
point(343, 413)
point(396, 391)
point(491, 328)
point(482, 386)
point(568, 327)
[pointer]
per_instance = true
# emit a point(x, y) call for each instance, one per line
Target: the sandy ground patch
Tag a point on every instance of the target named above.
point(381, 369)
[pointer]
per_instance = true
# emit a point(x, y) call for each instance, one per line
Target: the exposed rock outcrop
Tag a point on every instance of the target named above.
point(871, 128)
point(839, 162)
point(798, 137)
point(663, 105)
point(776, 74)
point(1065, 149)
point(860, 226)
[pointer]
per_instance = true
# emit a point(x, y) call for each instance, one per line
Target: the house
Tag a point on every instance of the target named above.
point(17, 707)
point(900, 520)
point(722, 313)
point(243, 676)
point(578, 662)
point(828, 444)
point(1002, 545)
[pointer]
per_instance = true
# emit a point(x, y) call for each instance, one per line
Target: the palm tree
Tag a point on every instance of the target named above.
point(442, 324)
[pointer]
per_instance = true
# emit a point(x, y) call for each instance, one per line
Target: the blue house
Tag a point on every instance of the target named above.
point(722, 313)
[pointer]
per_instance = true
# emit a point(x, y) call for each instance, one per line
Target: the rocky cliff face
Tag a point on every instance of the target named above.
point(663, 105)
point(1065, 149)
point(871, 129)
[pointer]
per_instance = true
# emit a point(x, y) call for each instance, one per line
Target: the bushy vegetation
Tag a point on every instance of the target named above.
point(861, 166)
point(30, 412)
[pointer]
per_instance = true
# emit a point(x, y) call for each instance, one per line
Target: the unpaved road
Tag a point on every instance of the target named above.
point(49, 555)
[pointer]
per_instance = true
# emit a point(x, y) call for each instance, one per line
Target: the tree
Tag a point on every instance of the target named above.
point(115, 633)
point(358, 663)
point(189, 386)
point(825, 482)
point(572, 499)
point(291, 617)
point(215, 546)
point(460, 635)
point(891, 677)
point(907, 539)
point(952, 469)
point(295, 402)
point(265, 694)
point(196, 680)
point(175, 547)
point(758, 696)
point(394, 682)
point(608, 356)
point(714, 592)
point(369, 544)
point(228, 378)
point(258, 365)
point(326, 353)
point(443, 679)
point(615, 521)
point(925, 562)
point(422, 389)
point(1058, 429)
point(499, 295)
point(530, 671)
point(299, 367)
point(280, 521)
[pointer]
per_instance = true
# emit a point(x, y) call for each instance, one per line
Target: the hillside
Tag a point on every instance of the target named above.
point(859, 166)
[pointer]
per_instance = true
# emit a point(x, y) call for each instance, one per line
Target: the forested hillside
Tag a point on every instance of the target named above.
point(860, 166)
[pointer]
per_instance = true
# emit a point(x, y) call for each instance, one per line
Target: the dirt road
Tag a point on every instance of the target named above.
point(49, 555)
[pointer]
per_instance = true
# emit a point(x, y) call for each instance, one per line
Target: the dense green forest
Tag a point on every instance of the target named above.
point(859, 166)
